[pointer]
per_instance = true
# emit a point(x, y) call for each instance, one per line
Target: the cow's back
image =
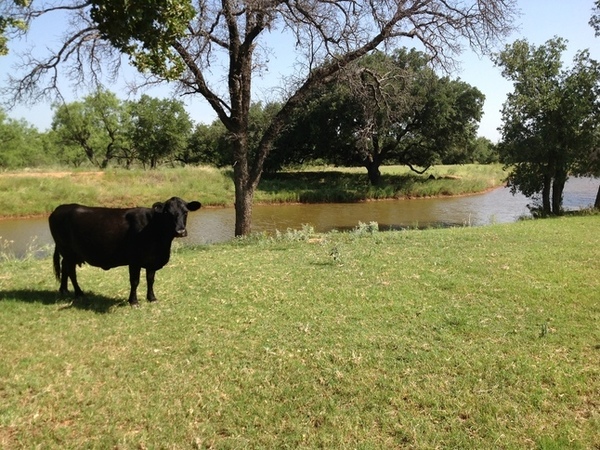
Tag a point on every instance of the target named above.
point(98, 236)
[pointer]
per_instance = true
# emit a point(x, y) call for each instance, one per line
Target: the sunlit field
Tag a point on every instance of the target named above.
point(29, 193)
point(464, 338)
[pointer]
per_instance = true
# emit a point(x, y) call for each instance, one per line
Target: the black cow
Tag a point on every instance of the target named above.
point(111, 237)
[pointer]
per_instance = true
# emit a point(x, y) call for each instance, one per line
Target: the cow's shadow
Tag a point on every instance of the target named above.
point(89, 302)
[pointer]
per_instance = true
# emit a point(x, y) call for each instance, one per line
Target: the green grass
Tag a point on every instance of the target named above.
point(448, 338)
point(37, 193)
point(327, 185)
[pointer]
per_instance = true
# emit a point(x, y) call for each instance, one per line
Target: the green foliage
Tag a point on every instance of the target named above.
point(105, 130)
point(390, 109)
point(97, 125)
point(207, 145)
point(212, 144)
point(146, 31)
point(11, 21)
point(595, 19)
point(413, 339)
point(22, 145)
point(551, 119)
point(160, 129)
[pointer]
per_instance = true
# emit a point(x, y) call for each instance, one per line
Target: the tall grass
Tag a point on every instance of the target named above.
point(458, 338)
point(35, 193)
point(39, 193)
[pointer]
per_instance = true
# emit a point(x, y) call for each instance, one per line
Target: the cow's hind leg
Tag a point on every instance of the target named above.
point(134, 281)
point(71, 269)
point(61, 272)
point(150, 283)
point(69, 272)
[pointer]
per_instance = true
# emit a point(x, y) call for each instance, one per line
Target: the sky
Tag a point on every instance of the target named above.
point(540, 20)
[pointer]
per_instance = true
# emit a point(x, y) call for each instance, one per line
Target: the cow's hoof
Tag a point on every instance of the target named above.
point(134, 304)
point(153, 300)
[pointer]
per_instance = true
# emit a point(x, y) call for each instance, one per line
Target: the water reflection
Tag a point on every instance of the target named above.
point(211, 225)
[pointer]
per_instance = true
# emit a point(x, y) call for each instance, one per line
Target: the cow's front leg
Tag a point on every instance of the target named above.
point(150, 283)
point(134, 281)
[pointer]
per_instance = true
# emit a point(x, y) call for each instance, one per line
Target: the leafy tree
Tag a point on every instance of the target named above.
point(185, 42)
point(595, 19)
point(322, 130)
point(160, 130)
point(65, 153)
point(388, 109)
point(481, 150)
point(211, 144)
point(11, 22)
point(595, 23)
point(203, 145)
point(22, 145)
point(550, 121)
point(97, 125)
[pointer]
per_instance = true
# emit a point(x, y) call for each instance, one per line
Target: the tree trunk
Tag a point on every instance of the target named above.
point(373, 161)
point(244, 188)
point(597, 202)
point(243, 209)
point(373, 172)
point(558, 186)
point(546, 205)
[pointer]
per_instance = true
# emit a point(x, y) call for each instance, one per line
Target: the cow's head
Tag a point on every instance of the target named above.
point(175, 210)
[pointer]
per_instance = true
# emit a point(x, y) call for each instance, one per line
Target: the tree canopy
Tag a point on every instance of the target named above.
point(106, 129)
point(385, 109)
point(550, 120)
point(21, 144)
point(10, 21)
point(161, 129)
point(97, 125)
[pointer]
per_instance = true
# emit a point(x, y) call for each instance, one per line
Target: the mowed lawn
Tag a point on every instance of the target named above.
point(465, 338)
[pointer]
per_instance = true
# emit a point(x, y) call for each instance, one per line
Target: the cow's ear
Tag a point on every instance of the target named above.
point(193, 206)
point(158, 207)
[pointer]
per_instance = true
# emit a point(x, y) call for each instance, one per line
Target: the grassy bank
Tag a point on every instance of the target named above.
point(457, 338)
point(36, 193)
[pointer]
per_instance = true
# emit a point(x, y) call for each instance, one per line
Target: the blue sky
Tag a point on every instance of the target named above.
point(540, 20)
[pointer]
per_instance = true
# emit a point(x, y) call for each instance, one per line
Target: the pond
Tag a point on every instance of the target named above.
point(212, 225)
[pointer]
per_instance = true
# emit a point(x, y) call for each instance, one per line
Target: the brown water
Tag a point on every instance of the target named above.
point(211, 225)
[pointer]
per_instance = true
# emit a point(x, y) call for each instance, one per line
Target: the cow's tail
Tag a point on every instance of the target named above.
point(56, 263)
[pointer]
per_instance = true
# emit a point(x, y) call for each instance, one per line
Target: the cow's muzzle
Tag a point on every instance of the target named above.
point(181, 233)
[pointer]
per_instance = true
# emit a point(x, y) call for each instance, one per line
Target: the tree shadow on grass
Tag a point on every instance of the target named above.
point(336, 186)
point(89, 302)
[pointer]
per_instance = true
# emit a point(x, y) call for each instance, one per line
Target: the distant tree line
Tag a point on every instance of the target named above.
point(386, 109)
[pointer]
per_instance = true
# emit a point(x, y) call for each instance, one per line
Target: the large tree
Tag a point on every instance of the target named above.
point(385, 109)
point(98, 125)
point(184, 41)
point(160, 129)
point(550, 120)
point(595, 24)
point(412, 116)
point(21, 144)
